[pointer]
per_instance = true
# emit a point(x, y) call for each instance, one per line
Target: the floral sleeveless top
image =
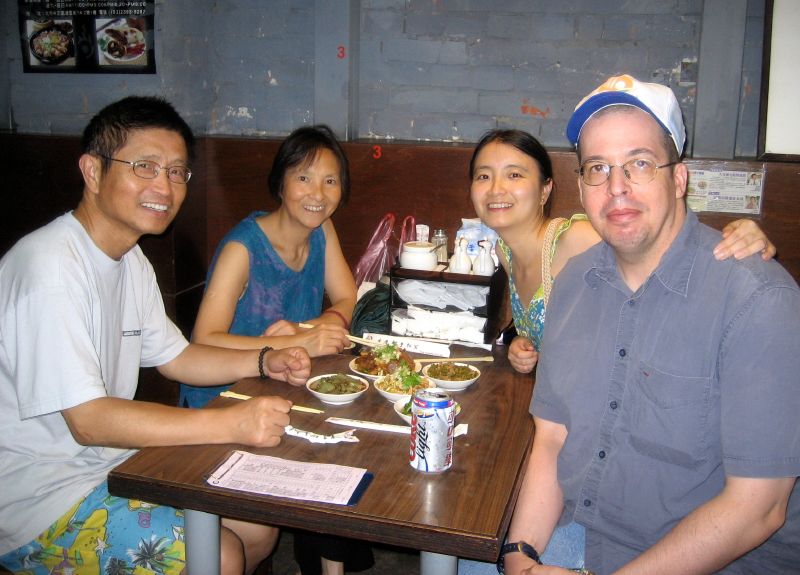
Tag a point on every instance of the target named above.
point(529, 320)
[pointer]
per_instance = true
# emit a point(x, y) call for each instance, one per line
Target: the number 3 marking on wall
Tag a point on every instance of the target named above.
point(340, 52)
point(377, 152)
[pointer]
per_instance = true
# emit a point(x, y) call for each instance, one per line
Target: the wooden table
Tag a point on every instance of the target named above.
point(463, 512)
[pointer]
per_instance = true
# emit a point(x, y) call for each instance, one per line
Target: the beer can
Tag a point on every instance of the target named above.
point(433, 414)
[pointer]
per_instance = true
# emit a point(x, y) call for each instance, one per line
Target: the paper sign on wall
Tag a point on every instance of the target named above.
point(731, 191)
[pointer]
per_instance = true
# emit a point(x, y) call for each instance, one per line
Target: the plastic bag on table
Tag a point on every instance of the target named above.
point(383, 249)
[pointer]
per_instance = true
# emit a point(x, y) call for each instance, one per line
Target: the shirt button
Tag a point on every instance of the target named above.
point(587, 503)
point(631, 303)
point(622, 352)
point(602, 454)
point(613, 405)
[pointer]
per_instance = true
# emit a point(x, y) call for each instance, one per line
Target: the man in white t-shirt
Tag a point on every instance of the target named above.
point(80, 313)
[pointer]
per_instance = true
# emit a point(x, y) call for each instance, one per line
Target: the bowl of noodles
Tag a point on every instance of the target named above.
point(337, 388)
point(401, 384)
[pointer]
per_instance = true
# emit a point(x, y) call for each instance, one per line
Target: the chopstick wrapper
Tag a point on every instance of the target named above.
point(460, 429)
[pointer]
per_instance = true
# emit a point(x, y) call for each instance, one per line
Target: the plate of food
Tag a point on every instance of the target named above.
point(337, 388)
point(401, 384)
point(382, 360)
point(121, 44)
point(52, 45)
point(402, 407)
point(452, 376)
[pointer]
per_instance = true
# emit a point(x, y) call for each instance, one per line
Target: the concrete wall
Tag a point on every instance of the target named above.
point(430, 70)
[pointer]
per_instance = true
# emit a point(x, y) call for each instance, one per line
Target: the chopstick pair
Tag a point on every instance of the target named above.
point(354, 339)
point(444, 359)
point(234, 395)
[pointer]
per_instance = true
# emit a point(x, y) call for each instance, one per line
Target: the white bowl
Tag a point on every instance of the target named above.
point(449, 384)
point(401, 403)
point(398, 409)
point(336, 398)
point(391, 396)
point(369, 376)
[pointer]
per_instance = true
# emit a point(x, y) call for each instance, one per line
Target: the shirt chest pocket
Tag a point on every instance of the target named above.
point(669, 416)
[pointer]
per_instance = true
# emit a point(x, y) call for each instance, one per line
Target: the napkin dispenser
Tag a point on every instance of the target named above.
point(444, 305)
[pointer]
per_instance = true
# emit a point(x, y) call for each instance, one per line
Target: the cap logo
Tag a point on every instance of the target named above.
point(657, 100)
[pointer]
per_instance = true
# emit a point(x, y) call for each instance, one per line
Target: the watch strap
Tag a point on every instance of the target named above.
point(516, 547)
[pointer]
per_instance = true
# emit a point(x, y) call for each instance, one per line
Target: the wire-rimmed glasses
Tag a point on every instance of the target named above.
point(637, 170)
point(149, 170)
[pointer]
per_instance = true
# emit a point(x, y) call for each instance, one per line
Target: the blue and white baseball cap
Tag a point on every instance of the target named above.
point(656, 99)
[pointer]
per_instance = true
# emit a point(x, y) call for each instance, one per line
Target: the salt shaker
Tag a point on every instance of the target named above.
point(440, 241)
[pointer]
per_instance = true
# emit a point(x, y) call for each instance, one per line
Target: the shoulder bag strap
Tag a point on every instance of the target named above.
point(547, 256)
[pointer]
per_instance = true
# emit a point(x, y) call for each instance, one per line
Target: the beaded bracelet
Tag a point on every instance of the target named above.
point(261, 373)
point(341, 317)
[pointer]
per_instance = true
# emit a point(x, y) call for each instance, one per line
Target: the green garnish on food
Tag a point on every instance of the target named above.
point(409, 379)
point(386, 352)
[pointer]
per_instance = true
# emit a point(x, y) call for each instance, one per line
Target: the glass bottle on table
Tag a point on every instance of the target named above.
point(440, 241)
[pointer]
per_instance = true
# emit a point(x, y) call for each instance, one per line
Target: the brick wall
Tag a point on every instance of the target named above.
point(443, 70)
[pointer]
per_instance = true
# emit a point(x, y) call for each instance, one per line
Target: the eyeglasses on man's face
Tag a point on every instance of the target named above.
point(637, 170)
point(150, 170)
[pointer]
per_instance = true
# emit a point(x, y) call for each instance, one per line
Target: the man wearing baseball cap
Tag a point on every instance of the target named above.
point(669, 429)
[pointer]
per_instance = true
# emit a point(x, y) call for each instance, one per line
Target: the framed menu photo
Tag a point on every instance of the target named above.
point(779, 126)
point(95, 36)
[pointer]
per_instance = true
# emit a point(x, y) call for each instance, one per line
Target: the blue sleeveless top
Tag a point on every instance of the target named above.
point(529, 320)
point(274, 291)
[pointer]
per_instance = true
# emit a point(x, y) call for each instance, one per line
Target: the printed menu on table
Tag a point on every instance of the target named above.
point(266, 475)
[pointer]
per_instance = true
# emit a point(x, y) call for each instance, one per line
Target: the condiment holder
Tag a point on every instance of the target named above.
point(460, 263)
point(483, 264)
point(419, 256)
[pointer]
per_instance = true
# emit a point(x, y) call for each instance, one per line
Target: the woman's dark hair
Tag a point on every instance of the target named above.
point(109, 129)
point(301, 147)
point(525, 143)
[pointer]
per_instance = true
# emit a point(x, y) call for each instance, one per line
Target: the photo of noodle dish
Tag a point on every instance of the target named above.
point(382, 360)
point(53, 44)
point(337, 388)
point(452, 376)
point(402, 383)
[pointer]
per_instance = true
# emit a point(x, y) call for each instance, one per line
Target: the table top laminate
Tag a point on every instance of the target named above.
point(464, 511)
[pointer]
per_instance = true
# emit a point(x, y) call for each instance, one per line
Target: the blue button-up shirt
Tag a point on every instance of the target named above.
point(667, 390)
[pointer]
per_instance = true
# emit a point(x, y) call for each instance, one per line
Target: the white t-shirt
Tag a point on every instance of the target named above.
point(75, 325)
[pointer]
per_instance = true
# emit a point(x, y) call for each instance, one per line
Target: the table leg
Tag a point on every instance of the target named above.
point(201, 536)
point(436, 564)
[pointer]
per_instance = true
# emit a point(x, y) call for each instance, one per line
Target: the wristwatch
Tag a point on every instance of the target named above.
point(517, 547)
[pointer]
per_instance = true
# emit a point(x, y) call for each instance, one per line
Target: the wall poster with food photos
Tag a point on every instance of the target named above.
point(87, 36)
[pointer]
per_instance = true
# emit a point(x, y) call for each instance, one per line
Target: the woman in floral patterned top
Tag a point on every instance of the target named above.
point(511, 183)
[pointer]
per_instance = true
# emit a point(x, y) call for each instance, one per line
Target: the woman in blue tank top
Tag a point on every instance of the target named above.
point(271, 272)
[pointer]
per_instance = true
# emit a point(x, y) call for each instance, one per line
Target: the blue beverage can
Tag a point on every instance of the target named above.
point(433, 414)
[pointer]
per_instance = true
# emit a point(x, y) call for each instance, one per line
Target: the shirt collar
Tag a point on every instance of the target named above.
point(673, 271)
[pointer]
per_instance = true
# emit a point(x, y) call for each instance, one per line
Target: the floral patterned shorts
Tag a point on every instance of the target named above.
point(108, 535)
